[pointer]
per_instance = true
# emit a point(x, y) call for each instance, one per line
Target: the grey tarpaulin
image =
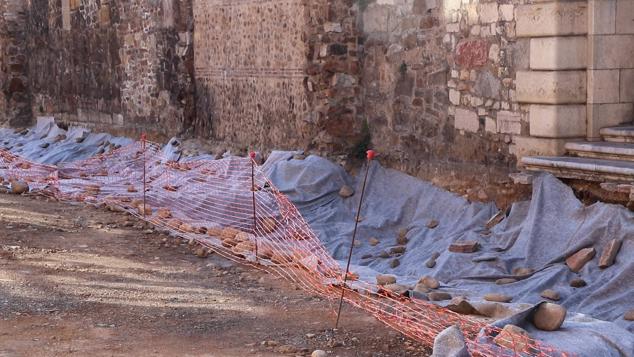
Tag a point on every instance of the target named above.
point(538, 234)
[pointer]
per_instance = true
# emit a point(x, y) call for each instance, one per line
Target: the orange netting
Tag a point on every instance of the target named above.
point(230, 207)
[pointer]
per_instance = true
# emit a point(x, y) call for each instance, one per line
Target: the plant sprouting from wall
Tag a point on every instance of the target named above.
point(360, 149)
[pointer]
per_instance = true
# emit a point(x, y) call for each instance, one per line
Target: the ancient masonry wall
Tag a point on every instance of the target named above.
point(274, 73)
point(439, 87)
point(454, 84)
point(121, 66)
point(14, 89)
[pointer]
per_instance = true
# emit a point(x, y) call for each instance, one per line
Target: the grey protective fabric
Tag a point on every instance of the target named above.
point(538, 234)
point(62, 144)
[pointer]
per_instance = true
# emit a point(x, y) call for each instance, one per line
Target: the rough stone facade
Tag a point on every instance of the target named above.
point(276, 73)
point(14, 91)
point(433, 87)
point(122, 66)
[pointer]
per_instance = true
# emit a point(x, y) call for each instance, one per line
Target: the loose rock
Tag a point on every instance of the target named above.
point(319, 353)
point(578, 283)
point(398, 250)
point(384, 254)
point(201, 253)
point(286, 349)
point(429, 282)
point(629, 316)
point(550, 294)
point(609, 253)
point(432, 224)
point(438, 296)
point(395, 263)
point(462, 306)
point(549, 316)
point(402, 237)
point(505, 281)
point(513, 337)
point(523, 272)
point(430, 263)
point(495, 220)
point(19, 187)
point(464, 247)
point(450, 343)
point(420, 288)
point(577, 261)
point(382, 279)
point(397, 288)
point(346, 191)
point(374, 242)
point(498, 298)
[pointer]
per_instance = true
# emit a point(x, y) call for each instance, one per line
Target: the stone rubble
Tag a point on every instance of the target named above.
point(346, 191)
point(494, 297)
point(578, 283)
point(464, 247)
point(550, 294)
point(577, 261)
point(549, 316)
point(514, 338)
point(609, 253)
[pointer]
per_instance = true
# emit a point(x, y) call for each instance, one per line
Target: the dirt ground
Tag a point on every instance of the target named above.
point(75, 280)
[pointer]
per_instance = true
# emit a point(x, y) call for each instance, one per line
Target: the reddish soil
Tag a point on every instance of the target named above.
point(79, 281)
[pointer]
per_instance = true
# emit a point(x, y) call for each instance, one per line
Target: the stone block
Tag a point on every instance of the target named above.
point(66, 15)
point(577, 261)
point(551, 53)
point(376, 18)
point(606, 115)
point(509, 122)
point(627, 86)
point(625, 16)
point(454, 97)
point(603, 86)
point(557, 121)
point(551, 87)
point(472, 53)
point(466, 120)
point(531, 146)
point(601, 17)
point(506, 12)
point(609, 254)
point(489, 12)
point(552, 19)
point(611, 51)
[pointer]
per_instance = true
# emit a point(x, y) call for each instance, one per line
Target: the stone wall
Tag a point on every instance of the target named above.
point(441, 88)
point(438, 85)
point(14, 88)
point(121, 66)
point(276, 74)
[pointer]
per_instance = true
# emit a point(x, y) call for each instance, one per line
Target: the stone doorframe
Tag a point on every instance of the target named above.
point(610, 70)
point(581, 75)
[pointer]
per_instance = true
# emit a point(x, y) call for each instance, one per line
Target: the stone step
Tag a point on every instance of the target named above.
point(622, 134)
point(602, 150)
point(590, 169)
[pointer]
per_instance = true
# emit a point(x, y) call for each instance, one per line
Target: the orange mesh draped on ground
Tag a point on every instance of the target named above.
point(244, 218)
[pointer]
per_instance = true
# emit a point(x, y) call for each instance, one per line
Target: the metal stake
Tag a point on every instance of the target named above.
point(371, 155)
point(143, 138)
point(255, 219)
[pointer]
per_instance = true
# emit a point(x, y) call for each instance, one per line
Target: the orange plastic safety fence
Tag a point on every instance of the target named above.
point(244, 218)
